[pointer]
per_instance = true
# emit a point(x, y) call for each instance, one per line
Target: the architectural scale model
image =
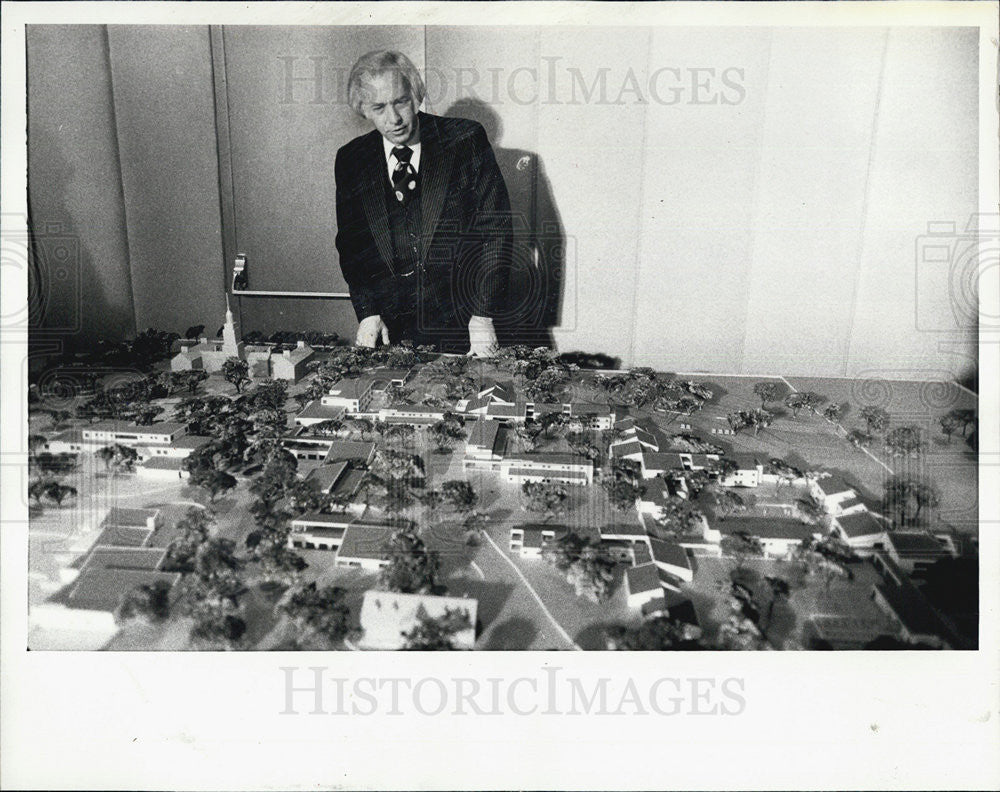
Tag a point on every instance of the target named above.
point(245, 497)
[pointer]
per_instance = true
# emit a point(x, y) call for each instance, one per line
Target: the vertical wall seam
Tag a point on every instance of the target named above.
point(863, 224)
point(640, 208)
point(121, 180)
point(755, 205)
point(224, 156)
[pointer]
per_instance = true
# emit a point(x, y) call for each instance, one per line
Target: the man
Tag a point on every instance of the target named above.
point(423, 217)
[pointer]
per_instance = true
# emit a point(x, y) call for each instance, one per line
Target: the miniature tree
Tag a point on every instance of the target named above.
point(276, 477)
point(875, 418)
point(950, 424)
point(270, 394)
point(903, 441)
point(361, 425)
point(785, 472)
point(193, 378)
point(148, 602)
point(780, 592)
point(592, 573)
point(547, 498)
point(460, 495)
point(192, 533)
point(902, 493)
point(755, 419)
point(811, 508)
point(656, 635)
point(319, 613)
point(677, 517)
point(59, 417)
point(401, 433)
point(447, 432)
point(216, 483)
point(218, 631)
point(553, 419)
point(412, 568)
point(832, 412)
point(330, 427)
point(237, 372)
point(279, 564)
point(824, 557)
point(859, 439)
point(473, 525)
point(622, 493)
point(562, 552)
point(742, 546)
point(59, 491)
point(123, 457)
point(436, 633)
point(766, 391)
point(798, 400)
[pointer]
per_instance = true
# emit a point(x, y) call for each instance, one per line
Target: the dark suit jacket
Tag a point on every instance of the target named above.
point(466, 224)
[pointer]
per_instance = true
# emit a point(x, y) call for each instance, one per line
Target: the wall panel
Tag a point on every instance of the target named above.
point(815, 149)
point(74, 186)
point(908, 322)
point(699, 177)
point(288, 115)
point(165, 122)
point(590, 141)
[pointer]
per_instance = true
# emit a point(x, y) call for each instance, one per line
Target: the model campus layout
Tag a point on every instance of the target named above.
point(293, 493)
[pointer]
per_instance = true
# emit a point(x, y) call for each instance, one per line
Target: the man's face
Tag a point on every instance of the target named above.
point(389, 106)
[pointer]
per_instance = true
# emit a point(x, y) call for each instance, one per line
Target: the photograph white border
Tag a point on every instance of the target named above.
point(824, 720)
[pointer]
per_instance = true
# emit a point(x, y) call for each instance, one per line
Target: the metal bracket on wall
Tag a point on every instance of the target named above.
point(241, 279)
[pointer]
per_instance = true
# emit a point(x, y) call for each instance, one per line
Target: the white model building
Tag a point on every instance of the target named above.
point(211, 354)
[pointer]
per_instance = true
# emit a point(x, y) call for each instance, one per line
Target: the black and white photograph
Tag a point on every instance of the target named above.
point(518, 328)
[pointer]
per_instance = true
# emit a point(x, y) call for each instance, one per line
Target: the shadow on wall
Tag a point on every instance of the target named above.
point(67, 303)
point(538, 262)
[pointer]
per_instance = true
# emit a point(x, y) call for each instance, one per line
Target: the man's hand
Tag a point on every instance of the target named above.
point(482, 337)
point(370, 329)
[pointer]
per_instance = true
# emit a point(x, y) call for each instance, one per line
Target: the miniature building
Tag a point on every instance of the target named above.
point(315, 531)
point(128, 527)
point(749, 472)
point(386, 616)
point(860, 529)
point(778, 535)
point(528, 540)
point(914, 551)
point(565, 468)
point(671, 558)
point(68, 441)
point(104, 433)
point(353, 395)
point(411, 414)
point(316, 412)
point(836, 495)
point(902, 601)
point(211, 354)
point(363, 546)
point(485, 446)
point(106, 574)
point(162, 468)
point(643, 584)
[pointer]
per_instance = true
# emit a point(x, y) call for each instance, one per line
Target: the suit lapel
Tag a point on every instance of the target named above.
point(373, 200)
point(435, 168)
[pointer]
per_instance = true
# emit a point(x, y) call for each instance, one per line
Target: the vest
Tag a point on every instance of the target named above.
point(405, 229)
